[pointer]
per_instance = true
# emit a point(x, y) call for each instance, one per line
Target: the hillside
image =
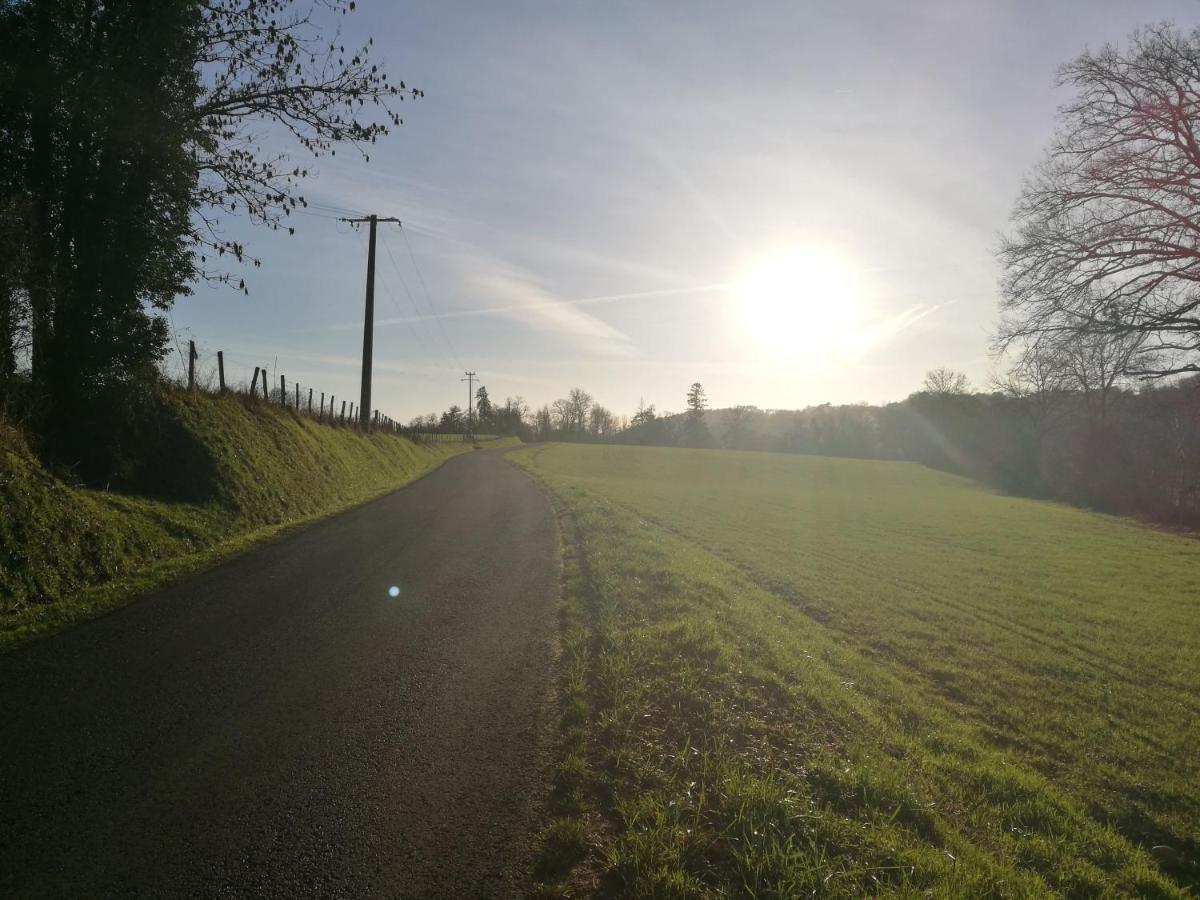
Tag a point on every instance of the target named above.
point(787, 675)
point(218, 473)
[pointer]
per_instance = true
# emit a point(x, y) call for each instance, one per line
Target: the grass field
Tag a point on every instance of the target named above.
point(792, 676)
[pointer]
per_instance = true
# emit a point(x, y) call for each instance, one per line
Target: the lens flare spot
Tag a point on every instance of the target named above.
point(393, 591)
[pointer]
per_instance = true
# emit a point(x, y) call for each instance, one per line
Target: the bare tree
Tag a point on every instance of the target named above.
point(1108, 226)
point(271, 64)
point(945, 382)
point(601, 421)
point(1098, 364)
point(580, 403)
point(1038, 379)
point(562, 414)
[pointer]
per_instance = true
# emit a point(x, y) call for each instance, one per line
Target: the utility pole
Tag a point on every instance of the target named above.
point(470, 380)
point(364, 406)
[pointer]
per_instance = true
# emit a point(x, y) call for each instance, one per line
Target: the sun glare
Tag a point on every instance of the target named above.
point(802, 301)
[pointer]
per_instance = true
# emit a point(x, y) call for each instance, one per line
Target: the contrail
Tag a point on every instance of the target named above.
point(549, 304)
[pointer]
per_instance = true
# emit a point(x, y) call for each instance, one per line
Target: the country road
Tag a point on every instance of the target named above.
point(280, 726)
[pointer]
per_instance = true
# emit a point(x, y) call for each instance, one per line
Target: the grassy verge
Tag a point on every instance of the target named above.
point(790, 676)
point(68, 553)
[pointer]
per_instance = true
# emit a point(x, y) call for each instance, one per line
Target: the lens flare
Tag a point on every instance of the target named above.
point(393, 591)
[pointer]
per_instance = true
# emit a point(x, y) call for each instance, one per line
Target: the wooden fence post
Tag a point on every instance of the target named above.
point(322, 414)
point(343, 410)
point(191, 364)
point(221, 368)
point(254, 382)
point(266, 393)
point(282, 391)
point(310, 400)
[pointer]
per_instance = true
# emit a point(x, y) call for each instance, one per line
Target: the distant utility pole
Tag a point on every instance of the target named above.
point(470, 380)
point(364, 406)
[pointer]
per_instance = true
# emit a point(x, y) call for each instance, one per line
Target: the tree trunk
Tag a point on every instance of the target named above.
point(8, 329)
point(40, 172)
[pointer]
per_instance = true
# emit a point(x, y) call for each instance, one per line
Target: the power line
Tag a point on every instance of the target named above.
point(341, 210)
point(416, 311)
point(428, 297)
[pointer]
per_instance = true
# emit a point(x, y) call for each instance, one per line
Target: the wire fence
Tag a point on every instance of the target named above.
point(277, 390)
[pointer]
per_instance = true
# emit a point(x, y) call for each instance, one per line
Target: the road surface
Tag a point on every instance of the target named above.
point(280, 726)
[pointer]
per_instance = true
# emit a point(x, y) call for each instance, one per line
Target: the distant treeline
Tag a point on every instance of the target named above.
point(1133, 453)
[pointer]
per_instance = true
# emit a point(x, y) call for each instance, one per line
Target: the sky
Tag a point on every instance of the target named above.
point(792, 203)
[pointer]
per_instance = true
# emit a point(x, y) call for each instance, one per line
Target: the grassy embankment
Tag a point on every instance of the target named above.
point(246, 469)
point(793, 676)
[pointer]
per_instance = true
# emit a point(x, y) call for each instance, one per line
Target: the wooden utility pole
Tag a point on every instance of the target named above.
point(192, 354)
point(364, 405)
point(470, 380)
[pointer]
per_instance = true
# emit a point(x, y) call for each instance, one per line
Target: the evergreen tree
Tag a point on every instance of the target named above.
point(695, 433)
point(485, 413)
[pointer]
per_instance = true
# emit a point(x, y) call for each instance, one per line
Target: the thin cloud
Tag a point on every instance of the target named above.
point(533, 305)
point(531, 308)
point(861, 340)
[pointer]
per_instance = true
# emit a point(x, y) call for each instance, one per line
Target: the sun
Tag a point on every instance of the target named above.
point(801, 301)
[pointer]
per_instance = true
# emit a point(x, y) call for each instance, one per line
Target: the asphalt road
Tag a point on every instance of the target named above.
point(279, 726)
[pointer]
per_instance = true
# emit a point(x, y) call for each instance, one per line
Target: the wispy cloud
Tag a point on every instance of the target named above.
point(532, 304)
point(533, 307)
point(857, 342)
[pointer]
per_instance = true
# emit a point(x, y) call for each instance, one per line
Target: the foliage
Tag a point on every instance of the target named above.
point(484, 411)
point(512, 419)
point(96, 122)
point(127, 130)
point(792, 676)
point(644, 413)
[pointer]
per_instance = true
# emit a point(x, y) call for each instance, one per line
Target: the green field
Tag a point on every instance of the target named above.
point(792, 676)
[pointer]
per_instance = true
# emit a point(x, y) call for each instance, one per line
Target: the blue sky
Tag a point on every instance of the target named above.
point(792, 203)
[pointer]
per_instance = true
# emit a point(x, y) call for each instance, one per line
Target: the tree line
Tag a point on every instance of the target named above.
point(1114, 445)
point(574, 417)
